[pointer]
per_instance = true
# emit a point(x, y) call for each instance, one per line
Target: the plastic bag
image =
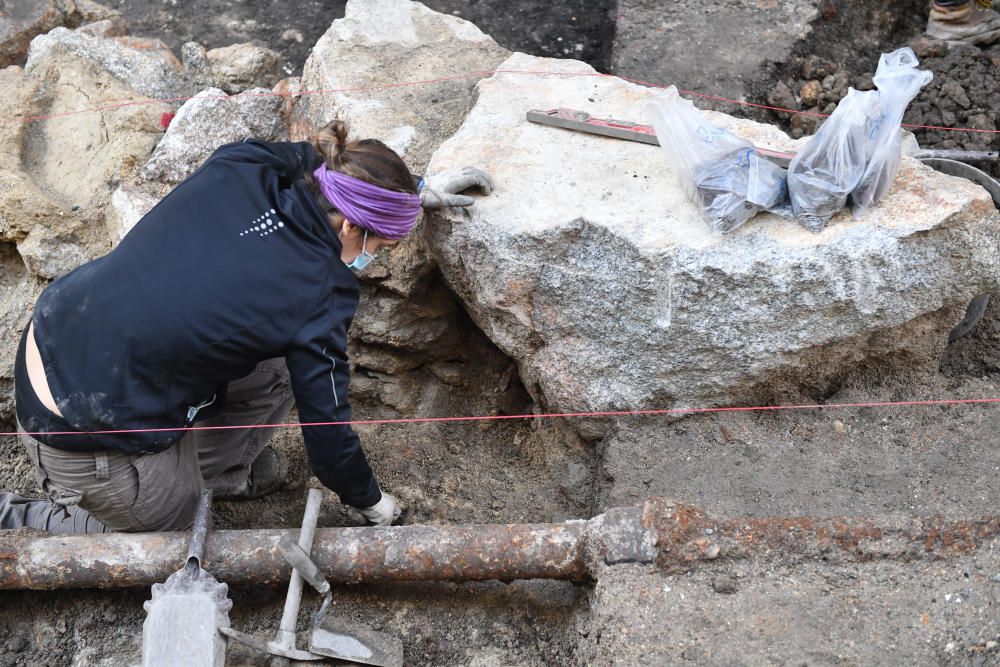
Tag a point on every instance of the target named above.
point(831, 165)
point(717, 170)
point(857, 151)
point(898, 81)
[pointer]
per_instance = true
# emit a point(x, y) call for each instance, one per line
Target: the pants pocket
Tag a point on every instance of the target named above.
point(57, 493)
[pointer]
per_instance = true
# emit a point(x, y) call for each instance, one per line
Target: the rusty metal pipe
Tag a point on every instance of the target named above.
point(673, 536)
point(407, 553)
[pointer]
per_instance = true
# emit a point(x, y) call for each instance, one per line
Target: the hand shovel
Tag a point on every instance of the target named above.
point(337, 637)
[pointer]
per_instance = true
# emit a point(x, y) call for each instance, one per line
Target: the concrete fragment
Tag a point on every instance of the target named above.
point(590, 268)
point(243, 66)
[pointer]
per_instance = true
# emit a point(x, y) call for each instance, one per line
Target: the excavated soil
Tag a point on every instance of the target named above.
point(922, 460)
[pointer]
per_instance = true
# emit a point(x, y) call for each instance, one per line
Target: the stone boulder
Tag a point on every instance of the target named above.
point(590, 268)
point(364, 70)
point(208, 120)
point(148, 71)
point(240, 67)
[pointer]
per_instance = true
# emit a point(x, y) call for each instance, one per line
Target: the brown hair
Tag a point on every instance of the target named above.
point(368, 160)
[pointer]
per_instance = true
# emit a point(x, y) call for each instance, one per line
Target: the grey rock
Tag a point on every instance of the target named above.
point(241, 67)
point(205, 122)
point(380, 44)
point(616, 296)
point(145, 73)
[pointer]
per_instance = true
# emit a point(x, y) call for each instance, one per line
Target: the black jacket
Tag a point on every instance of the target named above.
point(236, 265)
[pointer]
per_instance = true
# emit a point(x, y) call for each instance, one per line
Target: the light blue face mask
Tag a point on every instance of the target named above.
point(362, 261)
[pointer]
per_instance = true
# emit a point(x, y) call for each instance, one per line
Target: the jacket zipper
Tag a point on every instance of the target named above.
point(333, 381)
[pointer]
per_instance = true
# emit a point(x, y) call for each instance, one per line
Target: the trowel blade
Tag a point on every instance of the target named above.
point(346, 640)
point(269, 647)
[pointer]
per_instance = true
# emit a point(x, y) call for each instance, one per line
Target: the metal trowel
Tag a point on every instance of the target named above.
point(337, 637)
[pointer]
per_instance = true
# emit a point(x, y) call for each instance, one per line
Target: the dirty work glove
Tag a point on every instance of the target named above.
point(441, 190)
point(382, 513)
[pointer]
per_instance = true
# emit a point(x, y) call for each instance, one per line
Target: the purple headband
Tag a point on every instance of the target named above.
point(384, 212)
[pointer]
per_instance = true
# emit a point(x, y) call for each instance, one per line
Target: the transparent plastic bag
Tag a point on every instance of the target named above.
point(855, 155)
point(717, 170)
point(898, 81)
point(831, 165)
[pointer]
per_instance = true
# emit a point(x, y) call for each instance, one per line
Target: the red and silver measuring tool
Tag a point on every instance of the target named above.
point(582, 121)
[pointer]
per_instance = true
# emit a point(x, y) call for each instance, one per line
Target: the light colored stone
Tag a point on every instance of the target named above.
point(150, 75)
point(590, 268)
point(243, 66)
point(362, 60)
point(128, 205)
point(205, 122)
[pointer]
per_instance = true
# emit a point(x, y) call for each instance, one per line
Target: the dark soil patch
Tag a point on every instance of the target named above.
point(843, 51)
point(581, 29)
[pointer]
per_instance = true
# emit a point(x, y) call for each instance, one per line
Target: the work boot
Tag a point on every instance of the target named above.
point(268, 473)
point(974, 22)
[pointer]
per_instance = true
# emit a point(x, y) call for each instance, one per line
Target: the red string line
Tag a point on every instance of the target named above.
point(552, 415)
point(478, 74)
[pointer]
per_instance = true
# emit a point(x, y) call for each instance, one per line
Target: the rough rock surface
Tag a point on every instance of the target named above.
point(148, 74)
point(711, 47)
point(589, 267)
point(243, 66)
point(364, 61)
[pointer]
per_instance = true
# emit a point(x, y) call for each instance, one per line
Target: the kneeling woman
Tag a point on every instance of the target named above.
point(223, 306)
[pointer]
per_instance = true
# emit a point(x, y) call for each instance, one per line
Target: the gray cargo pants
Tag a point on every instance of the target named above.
point(93, 492)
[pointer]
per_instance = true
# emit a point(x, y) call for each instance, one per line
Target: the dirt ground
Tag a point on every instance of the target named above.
point(919, 460)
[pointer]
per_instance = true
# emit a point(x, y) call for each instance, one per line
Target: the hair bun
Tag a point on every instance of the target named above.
point(331, 140)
